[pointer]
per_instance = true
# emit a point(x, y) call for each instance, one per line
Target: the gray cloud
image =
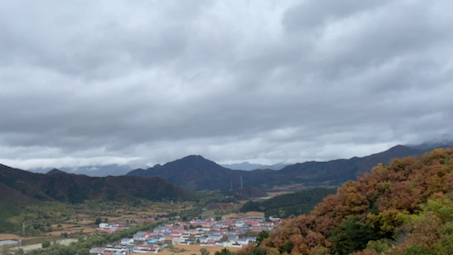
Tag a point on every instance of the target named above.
point(265, 81)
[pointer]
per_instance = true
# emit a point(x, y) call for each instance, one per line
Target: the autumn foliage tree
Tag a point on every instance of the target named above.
point(406, 204)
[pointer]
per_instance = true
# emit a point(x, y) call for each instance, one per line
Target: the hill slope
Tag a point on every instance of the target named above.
point(57, 185)
point(407, 204)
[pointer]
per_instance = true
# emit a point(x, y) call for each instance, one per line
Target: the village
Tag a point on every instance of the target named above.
point(234, 233)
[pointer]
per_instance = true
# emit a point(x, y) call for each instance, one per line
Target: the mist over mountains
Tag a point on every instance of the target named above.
point(95, 171)
point(250, 166)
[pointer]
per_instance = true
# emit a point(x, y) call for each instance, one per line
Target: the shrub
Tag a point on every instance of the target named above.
point(45, 244)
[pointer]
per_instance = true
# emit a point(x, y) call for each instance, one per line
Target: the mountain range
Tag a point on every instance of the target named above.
point(197, 173)
point(26, 187)
point(171, 180)
point(117, 170)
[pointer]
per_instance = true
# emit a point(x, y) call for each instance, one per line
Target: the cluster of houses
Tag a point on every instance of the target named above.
point(225, 233)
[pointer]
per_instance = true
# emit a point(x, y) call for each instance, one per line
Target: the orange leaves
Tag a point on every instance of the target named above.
point(382, 199)
point(314, 239)
point(327, 206)
point(299, 244)
point(246, 250)
point(400, 196)
point(448, 180)
point(324, 225)
point(277, 242)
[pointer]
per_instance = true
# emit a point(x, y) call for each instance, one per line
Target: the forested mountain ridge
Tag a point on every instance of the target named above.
point(61, 186)
point(198, 173)
point(403, 208)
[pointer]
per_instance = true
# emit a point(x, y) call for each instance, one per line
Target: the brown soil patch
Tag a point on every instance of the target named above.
point(242, 215)
point(231, 215)
point(9, 236)
point(254, 214)
point(192, 249)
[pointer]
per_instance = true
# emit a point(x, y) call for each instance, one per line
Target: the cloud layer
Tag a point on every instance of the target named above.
point(116, 82)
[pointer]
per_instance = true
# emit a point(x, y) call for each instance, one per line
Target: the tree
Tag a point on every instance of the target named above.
point(98, 221)
point(352, 235)
point(45, 244)
point(204, 251)
point(273, 251)
point(258, 251)
point(288, 247)
point(261, 236)
point(224, 251)
point(281, 213)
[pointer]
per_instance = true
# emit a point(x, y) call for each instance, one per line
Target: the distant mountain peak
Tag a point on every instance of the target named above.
point(56, 171)
point(194, 161)
point(193, 157)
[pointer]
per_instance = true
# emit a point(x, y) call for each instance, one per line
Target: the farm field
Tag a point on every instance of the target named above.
point(287, 189)
point(191, 249)
point(248, 214)
point(9, 236)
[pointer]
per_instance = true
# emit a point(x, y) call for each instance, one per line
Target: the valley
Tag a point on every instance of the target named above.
point(38, 208)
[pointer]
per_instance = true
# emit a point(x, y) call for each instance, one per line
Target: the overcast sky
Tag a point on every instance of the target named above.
point(146, 82)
